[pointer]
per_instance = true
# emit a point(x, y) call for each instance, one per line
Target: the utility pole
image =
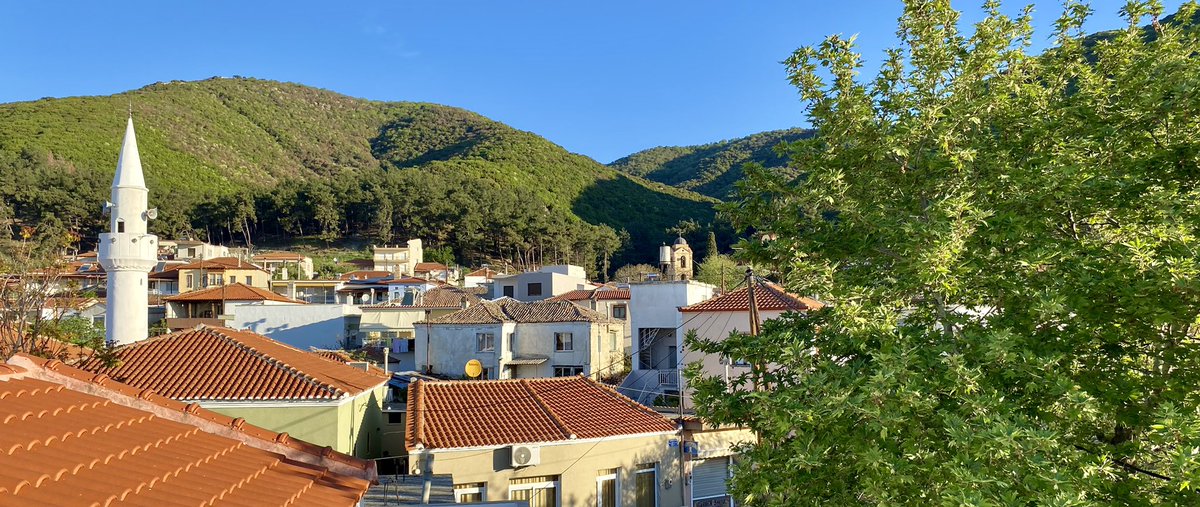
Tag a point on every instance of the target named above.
point(754, 324)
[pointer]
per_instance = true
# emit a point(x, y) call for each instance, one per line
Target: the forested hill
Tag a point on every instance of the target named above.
point(244, 159)
point(709, 169)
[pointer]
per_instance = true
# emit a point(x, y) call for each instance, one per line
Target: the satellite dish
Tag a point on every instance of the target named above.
point(474, 368)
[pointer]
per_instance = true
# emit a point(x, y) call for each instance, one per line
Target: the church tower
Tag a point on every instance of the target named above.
point(127, 251)
point(675, 261)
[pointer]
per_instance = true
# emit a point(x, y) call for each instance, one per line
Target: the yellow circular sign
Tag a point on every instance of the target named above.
point(474, 368)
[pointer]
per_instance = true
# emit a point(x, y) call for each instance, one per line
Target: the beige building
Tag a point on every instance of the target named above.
point(285, 265)
point(190, 249)
point(214, 306)
point(551, 442)
point(398, 260)
point(220, 271)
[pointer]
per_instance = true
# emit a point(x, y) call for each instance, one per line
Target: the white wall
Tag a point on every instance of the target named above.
point(447, 348)
point(301, 326)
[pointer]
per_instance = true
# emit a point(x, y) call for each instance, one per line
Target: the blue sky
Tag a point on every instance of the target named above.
point(603, 79)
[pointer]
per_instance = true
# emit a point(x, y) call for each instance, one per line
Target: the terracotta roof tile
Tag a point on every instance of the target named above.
point(221, 264)
point(484, 272)
point(502, 412)
point(215, 363)
point(364, 274)
point(511, 310)
point(425, 267)
point(232, 292)
point(68, 437)
point(598, 294)
point(769, 296)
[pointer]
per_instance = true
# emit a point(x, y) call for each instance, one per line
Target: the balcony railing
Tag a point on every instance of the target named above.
point(668, 377)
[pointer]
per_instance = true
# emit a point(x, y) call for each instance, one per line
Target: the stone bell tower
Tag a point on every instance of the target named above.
point(127, 251)
point(675, 261)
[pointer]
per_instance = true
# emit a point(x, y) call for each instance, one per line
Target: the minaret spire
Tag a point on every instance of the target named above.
point(128, 252)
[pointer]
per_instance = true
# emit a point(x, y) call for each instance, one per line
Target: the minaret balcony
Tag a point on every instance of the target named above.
point(126, 251)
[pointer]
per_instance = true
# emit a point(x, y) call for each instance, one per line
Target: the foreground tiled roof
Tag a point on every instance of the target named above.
point(220, 264)
point(441, 297)
point(232, 292)
point(452, 414)
point(598, 294)
point(221, 364)
point(767, 295)
point(68, 437)
point(511, 310)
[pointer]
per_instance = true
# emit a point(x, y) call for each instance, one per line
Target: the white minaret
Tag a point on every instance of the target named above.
point(127, 252)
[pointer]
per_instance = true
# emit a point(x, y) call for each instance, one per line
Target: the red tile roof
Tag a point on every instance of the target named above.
point(221, 364)
point(484, 272)
point(501, 412)
point(232, 292)
point(511, 310)
point(221, 264)
point(278, 256)
point(364, 274)
point(408, 280)
point(425, 267)
point(599, 294)
point(68, 437)
point(769, 296)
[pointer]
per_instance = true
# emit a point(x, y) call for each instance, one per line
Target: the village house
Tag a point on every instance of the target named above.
point(398, 260)
point(656, 328)
point(392, 324)
point(608, 300)
point(480, 277)
point(513, 339)
point(269, 384)
point(190, 250)
point(435, 271)
point(285, 265)
point(309, 291)
point(557, 441)
point(220, 271)
point(213, 306)
point(154, 450)
point(547, 282)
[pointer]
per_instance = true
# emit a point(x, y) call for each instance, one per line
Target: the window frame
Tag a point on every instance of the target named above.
point(556, 484)
point(616, 478)
point(652, 470)
point(564, 346)
point(470, 488)
point(480, 342)
point(573, 370)
point(624, 311)
point(530, 286)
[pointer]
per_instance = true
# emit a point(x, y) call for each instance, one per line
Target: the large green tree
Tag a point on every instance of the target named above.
point(1008, 244)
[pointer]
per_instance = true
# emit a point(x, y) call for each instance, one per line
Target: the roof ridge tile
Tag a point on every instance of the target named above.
point(287, 368)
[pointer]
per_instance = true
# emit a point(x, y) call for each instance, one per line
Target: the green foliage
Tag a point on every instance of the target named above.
point(251, 161)
point(1008, 243)
point(711, 169)
point(722, 271)
point(442, 254)
point(635, 273)
point(711, 247)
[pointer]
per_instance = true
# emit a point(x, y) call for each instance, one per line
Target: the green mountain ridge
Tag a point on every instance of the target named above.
point(711, 169)
point(247, 159)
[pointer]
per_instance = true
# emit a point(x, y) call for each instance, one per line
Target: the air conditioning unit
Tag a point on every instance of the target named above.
point(525, 455)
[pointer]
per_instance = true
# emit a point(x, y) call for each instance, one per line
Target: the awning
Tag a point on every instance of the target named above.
point(517, 361)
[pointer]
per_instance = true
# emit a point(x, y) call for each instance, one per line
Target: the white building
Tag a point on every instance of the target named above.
point(513, 339)
point(128, 252)
point(324, 326)
point(544, 283)
point(655, 325)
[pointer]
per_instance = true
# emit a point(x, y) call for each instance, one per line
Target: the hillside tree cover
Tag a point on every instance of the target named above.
point(1008, 243)
point(252, 161)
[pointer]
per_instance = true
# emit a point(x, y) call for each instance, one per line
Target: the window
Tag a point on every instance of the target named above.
point(510, 341)
point(232, 278)
point(395, 417)
point(646, 485)
point(612, 340)
point(563, 342)
point(607, 490)
point(120, 225)
point(470, 492)
point(249, 281)
point(567, 371)
point(534, 289)
point(191, 283)
point(539, 491)
point(485, 373)
point(508, 291)
point(682, 262)
point(618, 312)
point(485, 342)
